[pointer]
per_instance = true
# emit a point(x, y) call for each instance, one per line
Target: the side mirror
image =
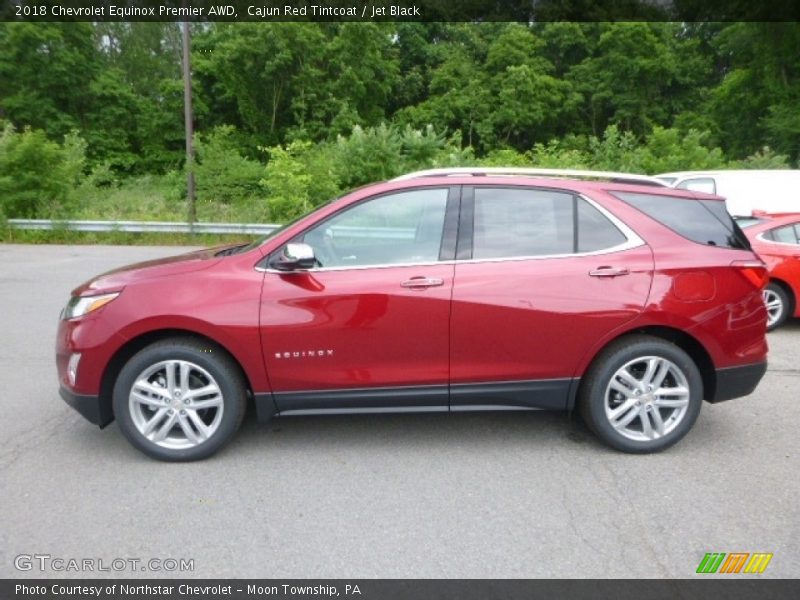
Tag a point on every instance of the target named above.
point(294, 257)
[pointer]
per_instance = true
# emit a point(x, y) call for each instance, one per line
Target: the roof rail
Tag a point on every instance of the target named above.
point(510, 171)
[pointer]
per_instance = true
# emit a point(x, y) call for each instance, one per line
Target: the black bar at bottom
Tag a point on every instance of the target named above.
point(703, 587)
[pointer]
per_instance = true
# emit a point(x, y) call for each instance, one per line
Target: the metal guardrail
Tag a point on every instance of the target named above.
point(144, 226)
point(230, 228)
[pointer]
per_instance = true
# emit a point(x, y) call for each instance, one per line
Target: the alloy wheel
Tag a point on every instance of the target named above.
point(774, 305)
point(647, 398)
point(176, 404)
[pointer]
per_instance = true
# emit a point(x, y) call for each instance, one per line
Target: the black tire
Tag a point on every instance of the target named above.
point(775, 291)
point(593, 402)
point(204, 356)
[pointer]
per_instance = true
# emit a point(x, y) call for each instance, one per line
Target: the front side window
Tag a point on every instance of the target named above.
point(400, 228)
point(521, 222)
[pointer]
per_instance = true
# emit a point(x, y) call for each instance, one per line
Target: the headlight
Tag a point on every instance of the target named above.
point(79, 306)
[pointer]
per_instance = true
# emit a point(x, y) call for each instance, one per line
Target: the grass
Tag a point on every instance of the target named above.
point(9, 235)
point(159, 198)
point(146, 198)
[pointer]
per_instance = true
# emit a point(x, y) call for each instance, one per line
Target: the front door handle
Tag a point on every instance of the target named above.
point(609, 271)
point(422, 282)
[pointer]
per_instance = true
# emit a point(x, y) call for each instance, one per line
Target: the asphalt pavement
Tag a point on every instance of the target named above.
point(451, 496)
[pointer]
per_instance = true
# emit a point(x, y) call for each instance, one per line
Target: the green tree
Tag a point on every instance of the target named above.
point(256, 68)
point(46, 74)
point(756, 102)
point(138, 104)
point(527, 99)
point(458, 98)
point(640, 75)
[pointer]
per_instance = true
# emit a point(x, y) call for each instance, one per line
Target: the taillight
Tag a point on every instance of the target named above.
point(754, 271)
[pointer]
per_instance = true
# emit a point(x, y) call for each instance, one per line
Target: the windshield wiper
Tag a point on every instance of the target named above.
point(231, 250)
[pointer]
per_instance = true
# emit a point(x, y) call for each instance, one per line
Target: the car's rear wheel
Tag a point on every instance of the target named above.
point(179, 399)
point(642, 394)
point(776, 301)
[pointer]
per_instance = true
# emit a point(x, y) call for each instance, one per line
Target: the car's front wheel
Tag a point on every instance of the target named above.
point(642, 394)
point(179, 399)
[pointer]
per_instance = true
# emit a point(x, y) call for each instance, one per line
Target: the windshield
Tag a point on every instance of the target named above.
point(280, 229)
point(270, 235)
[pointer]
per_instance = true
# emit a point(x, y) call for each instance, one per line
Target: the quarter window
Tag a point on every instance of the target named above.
point(520, 222)
point(402, 228)
point(595, 231)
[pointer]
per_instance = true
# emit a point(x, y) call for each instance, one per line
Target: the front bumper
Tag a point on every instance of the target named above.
point(735, 382)
point(92, 408)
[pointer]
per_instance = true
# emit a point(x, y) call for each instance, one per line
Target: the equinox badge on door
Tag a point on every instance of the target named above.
point(305, 354)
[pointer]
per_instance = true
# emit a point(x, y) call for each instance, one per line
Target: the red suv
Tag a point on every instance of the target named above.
point(444, 290)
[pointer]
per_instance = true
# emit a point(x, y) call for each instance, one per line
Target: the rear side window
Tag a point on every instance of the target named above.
point(789, 234)
point(703, 221)
point(520, 222)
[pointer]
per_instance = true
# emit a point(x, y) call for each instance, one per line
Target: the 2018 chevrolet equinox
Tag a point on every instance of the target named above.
point(442, 290)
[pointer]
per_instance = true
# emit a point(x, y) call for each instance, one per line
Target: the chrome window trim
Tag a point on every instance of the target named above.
point(632, 241)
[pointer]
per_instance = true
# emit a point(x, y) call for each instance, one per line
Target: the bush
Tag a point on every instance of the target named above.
point(301, 175)
point(386, 151)
point(506, 157)
point(569, 153)
point(74, 150)
point(38, 176)
point(298, 177)
point(222, 174)
point(766, 158)
point(287, 181)
point(102, 175)
point(668, 150)
point(662, 151)
point(367, 155)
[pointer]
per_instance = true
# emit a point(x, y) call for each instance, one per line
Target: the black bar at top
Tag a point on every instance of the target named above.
point(399, 10)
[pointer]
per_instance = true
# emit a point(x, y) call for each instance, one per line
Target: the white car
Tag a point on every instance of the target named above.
point(773, 191)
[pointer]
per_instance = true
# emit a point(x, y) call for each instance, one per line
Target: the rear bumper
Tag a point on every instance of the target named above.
point(735, 382)
point(92, 408)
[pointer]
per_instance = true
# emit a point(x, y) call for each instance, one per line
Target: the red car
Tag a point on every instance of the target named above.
point(448, 290)
point(776, 239)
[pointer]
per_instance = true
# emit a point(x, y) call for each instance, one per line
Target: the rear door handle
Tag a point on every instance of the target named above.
point(422, 282)
point(609, 271)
